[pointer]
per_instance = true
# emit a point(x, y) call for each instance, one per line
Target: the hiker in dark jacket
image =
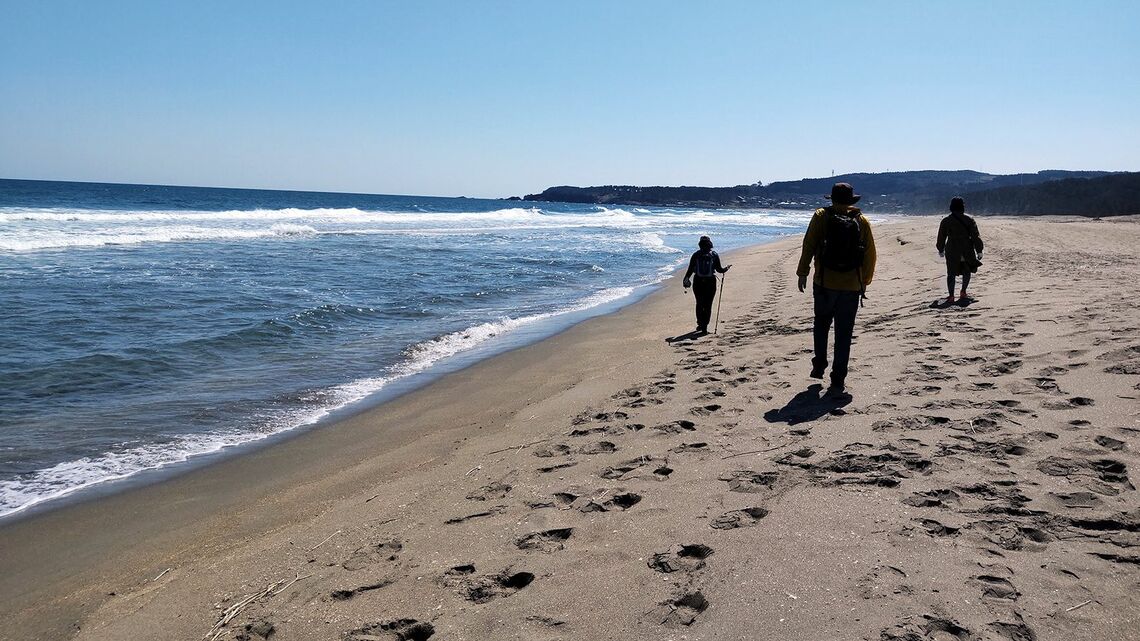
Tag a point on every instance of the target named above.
point(961, 244)
point(705, 264)
point(839, 240)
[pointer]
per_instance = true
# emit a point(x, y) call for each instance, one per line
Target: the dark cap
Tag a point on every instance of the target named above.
point(843, 194)
point(705, 241)
point(957, 204)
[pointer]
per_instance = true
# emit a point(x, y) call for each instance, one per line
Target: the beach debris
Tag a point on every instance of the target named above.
point(518, 447)
point(160, 575)
point(271, 590)
point(323, 542)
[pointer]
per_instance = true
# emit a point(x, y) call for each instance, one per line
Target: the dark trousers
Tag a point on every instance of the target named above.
point(704, 288)
point(839, 306)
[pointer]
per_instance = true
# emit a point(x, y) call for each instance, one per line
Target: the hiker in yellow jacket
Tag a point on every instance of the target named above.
point(840, 243)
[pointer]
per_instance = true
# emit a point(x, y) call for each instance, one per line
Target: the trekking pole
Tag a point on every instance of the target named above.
point(718, 302)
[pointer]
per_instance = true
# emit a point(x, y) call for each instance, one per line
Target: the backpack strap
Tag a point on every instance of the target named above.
point(969, 233)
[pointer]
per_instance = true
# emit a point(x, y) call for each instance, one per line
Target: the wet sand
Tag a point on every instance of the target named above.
point(608, 483)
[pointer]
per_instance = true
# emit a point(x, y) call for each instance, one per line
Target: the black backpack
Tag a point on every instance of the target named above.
point(843, 245)
point(705, 262)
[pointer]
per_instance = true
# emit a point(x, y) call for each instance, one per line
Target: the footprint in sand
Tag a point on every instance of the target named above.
point(545, 541)
point(676, 427)
point(485, 588)
point(995, 587)
point(934, 498)
point(372, 554)
point(491, 491)
point(704, 410)
point(883, 581)
point(936, 528)
point(749, 482)
point(927, 627)
point(684, 558)
point(548, 451)
point(601, 447)
point(1103, 476)
point(632, 468)
point(607, 429)
point(1109, 443)
point(1017, 631)
point(1082, 500)
point(910, 422)
point(399, 630)
point(598, 417)
point(1001, 368)
point(734, 519)
point(559, 466)
point(1068, 404)
point(620, 502)
point(863, 464)
point(681, 611)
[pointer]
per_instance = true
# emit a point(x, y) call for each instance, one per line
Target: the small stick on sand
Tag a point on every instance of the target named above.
point(323, 542)
point(283, 588)
point(229, 613)
point(519, 447)
point(371, 497)
point(160, 575)
point(1079, 605)
point(477, 467)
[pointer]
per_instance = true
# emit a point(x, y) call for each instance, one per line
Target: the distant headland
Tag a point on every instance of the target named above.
point(1081, 193)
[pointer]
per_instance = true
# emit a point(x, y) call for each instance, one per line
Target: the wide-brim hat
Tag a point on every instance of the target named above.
point(843, 194)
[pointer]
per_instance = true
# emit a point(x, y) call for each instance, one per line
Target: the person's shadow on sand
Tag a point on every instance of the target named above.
point(693, 335)
point(942, 303)
point(808, 405)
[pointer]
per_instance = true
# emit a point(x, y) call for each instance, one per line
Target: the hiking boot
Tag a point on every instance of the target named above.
point(837, 388)
point(701, 329)
point(963, 295)
point(950, 299)
point(816, 372)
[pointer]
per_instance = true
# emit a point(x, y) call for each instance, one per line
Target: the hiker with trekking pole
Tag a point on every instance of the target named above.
point(704, 265)
point(839, 242)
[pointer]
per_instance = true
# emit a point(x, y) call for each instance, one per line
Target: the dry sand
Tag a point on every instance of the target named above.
point(608, 484)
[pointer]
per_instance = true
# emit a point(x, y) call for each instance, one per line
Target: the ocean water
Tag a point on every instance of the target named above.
point(146, 328)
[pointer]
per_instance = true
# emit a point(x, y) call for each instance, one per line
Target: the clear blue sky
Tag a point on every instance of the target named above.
point(486, 98)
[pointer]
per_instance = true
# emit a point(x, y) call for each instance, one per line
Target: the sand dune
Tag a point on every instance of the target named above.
point(609, 483)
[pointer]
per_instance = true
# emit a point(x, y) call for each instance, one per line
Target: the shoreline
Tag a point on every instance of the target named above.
point(374, 519)
point(396, 388)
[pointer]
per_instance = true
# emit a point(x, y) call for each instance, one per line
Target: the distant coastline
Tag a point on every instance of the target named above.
point(1080, 193)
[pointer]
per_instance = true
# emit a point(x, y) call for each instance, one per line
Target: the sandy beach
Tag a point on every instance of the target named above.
point(611, 483)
